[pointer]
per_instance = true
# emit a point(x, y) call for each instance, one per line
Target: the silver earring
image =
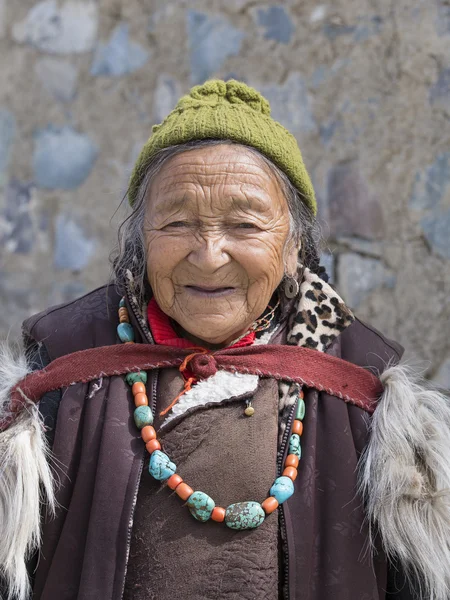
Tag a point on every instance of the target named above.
point(291, 287)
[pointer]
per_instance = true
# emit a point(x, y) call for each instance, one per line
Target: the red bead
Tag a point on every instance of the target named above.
point(174, 481)
point(140, 399)
point(297, 427)
point(218, 514)
point(270, 504)
point(148, 433)
point(138, 388)
point(292, 460)
point(153, 445)
point(184, 491)
point(290, 472)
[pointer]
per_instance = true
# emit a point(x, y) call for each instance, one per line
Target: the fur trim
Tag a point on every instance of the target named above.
point(220, 386)
point(25, 480)
point(405, 478)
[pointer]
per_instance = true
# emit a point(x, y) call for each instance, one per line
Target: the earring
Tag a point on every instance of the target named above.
point(291, 287)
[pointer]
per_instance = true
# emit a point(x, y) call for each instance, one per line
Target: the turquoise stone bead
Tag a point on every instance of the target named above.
point(300, 409)
point(125, 332)
point(161, 467)
point(201, 506)
point(122, 303)
point(143, 416)
point(140, 376)
point(244, 515)
point(282, 489)
point(295, 446)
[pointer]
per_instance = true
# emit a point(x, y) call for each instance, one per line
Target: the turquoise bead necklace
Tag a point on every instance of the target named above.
point(238, 516)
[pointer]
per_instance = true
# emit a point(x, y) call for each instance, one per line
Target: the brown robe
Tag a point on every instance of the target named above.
point(85, 550)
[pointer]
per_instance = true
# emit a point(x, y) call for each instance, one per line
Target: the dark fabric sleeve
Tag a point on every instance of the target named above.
point(398, 587)
point(38, 358)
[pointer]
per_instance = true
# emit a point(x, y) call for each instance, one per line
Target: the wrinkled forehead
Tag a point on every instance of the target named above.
point(224, 171)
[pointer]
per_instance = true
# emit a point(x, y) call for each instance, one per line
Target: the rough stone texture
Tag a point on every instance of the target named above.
point(59, 77)
point(73, 248)
point(17, 222)
point(167, 93)
point(7, 132)
point(276, 23)
point(290, 103)
point(442, 377)
point(363, 86)
point(212, 39)
point(119, 56)
point(359, 276)
point(431, 200)
point(59, 29)
point(353, 208)
point(63, 158)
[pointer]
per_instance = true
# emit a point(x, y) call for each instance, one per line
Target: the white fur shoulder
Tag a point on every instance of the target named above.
point(405, 478)
point(25, 480)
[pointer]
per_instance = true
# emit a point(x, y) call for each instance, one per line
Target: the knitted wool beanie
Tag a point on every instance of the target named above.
point(227, 110)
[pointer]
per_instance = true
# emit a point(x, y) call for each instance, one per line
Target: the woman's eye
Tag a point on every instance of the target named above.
point(246, 226)
point(177, 224)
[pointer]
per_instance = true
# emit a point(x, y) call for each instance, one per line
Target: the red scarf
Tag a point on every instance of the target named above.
point(164, 334)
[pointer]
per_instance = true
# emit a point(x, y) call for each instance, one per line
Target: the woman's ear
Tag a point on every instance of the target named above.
point(291, 259)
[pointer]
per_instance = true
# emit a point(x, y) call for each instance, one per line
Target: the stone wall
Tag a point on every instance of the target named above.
point(365, 87)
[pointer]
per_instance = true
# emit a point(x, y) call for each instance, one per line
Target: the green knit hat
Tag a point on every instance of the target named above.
point(227, 110)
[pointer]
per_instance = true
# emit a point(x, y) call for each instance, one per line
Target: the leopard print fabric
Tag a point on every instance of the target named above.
point(319, 318)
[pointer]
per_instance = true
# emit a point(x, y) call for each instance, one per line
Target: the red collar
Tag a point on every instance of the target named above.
point(164, 334)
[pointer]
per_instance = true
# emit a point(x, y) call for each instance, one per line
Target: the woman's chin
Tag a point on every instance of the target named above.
point(212, 336)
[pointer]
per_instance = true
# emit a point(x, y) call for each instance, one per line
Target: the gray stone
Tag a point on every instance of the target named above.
point(440, 91)
point(66, 292)
point(436, 229)
point(324, 74)
point(119, 56)
point(73, 247)
point(290, 104)
point(2, 19)
point(276, 22)
point(17, 228)
point(443, 18)
point(328, 129)
point(59, 29)
point(335, 30)
point(442, 376)
point(168, 90)
point(367, 27)
point(59, 77)
point(327, 261)
point(212, 39)
point(353, 210)
point(7, 133)
point(430, 199)
point(63, 158)
point(366, 247)
point(431, 184)
point(359, 276)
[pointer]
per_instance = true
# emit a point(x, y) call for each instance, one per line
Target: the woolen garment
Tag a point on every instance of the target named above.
point(100, 455)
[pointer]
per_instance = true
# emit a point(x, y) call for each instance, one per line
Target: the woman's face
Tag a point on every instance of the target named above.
point(216, 227)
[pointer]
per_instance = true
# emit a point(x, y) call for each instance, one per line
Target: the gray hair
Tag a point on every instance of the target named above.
point(130, 256)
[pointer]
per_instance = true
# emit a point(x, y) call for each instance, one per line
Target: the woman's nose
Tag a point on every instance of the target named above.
point(209, 252)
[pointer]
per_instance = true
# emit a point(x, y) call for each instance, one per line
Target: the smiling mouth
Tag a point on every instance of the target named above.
point(210, 292)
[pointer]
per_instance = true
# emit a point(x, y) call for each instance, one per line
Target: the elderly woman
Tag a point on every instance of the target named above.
point(217, 421)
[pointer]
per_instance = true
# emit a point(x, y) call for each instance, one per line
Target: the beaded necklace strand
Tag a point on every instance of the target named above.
point(238, 516)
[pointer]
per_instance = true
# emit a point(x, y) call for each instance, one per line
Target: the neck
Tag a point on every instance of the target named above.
point(196, 341)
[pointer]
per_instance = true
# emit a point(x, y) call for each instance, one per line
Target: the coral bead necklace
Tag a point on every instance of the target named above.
point(238, 516)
